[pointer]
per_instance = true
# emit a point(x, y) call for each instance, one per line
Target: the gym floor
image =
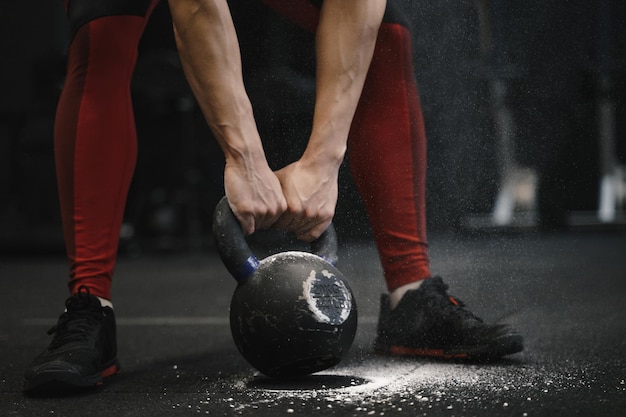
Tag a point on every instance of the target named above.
point(564, 291)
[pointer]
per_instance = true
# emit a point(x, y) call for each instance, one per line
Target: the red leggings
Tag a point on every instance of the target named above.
point(96, 148)
point(96, 145)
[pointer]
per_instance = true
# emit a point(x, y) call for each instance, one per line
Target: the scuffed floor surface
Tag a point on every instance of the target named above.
point(564, 292)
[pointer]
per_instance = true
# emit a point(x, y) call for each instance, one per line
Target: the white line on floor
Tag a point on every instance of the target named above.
point(165, 321)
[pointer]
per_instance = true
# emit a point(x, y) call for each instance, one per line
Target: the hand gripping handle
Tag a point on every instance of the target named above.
point(237, 255)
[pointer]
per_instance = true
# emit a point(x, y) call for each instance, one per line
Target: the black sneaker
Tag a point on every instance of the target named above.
point(430, 323)
point(83, 350)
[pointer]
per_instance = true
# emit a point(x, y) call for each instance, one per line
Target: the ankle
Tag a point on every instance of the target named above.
point(396, 295)
point(105, 303)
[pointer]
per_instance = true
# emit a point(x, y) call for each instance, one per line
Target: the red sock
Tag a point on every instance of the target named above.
point(387, 151)
point(96, 146)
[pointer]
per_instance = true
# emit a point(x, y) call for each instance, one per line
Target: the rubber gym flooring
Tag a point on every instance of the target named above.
point(565, 292)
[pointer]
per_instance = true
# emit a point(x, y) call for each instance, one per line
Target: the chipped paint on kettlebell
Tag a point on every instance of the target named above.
point(328, 298)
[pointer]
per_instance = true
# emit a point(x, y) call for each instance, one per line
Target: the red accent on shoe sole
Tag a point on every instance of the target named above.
point(111, 370)
point(453, 301)
point(436, 353)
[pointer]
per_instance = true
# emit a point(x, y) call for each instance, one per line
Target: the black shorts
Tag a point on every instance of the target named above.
point(80, 12)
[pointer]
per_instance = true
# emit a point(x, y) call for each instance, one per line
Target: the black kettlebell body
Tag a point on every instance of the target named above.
point(293, 313)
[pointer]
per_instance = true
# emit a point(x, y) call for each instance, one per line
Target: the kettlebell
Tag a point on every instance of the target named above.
point(292, 313)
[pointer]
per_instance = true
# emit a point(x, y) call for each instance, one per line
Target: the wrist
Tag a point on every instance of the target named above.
point(329, 157)
point(240, 143)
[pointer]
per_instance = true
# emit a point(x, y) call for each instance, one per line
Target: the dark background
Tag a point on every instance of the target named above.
point(550, 54)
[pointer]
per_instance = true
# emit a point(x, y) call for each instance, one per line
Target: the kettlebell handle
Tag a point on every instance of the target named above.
point(237, 255)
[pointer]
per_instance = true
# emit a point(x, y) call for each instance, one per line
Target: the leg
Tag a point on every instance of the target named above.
point(388, 161)
point(387, 151)
point(95, 151)
point(95, 145)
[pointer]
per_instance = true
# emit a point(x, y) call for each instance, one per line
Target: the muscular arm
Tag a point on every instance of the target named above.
point(209, 51)
point(345, 41)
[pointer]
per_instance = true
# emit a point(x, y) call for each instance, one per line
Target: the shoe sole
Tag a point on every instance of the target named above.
point(66, 380)
point(503, 346)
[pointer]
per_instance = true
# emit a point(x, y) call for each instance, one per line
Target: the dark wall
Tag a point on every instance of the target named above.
point(551, 55)
point(31, 33)
point(32, 41)
point(456, 108)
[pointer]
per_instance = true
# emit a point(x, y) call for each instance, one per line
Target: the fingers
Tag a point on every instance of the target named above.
point(258, 216)
point(264, 219)
point(312, 232)
point(305, 226)
point(256, 200)
point(311, 196)
point(295, 199)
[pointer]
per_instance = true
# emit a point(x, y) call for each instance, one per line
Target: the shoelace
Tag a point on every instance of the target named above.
point(455, 303)
point(78, 322)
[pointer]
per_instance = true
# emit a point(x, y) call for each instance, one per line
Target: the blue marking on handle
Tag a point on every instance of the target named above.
point(245, 270)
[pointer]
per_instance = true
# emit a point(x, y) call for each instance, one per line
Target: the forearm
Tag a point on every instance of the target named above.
point(345, 41)
point(209, 51)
